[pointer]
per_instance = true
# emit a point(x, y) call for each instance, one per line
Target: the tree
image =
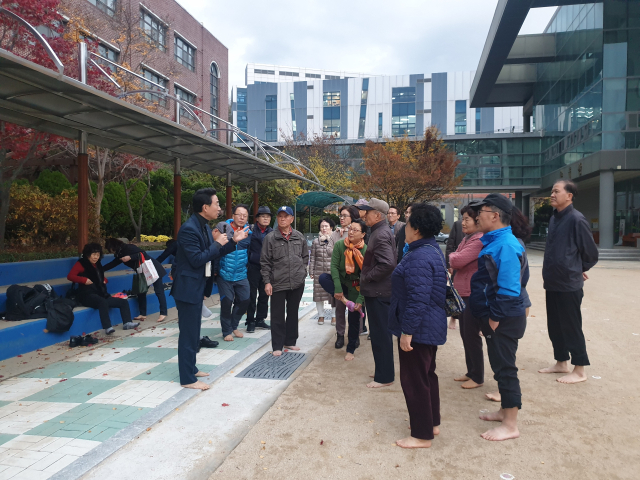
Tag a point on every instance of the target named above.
point(52, 183)
point(403, 171)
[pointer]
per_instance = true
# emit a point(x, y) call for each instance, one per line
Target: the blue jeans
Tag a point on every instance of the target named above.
point(234, 300)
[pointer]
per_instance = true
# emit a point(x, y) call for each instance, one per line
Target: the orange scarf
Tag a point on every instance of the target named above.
point(351, 252)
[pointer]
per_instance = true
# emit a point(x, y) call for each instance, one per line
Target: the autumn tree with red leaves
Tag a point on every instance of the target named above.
point(402, 171)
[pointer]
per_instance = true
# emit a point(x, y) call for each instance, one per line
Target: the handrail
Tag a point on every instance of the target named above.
point(38, 35)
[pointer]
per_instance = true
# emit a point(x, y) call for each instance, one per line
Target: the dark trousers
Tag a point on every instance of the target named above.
point(502, 345)
point(381, 341)
point(326, 282)
point(420, 386)
point(189, 321)
point(234, 299)
point(284, 330)
point(159, 291)
point(472, 341)
point(103, 305)
point(564, 323)
point(256, 313)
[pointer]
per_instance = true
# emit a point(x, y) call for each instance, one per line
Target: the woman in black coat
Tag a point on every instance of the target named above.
point(130, 255)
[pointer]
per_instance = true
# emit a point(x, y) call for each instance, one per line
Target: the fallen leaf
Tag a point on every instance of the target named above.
point(225, 404)
point(46, 359)
point(19, 356)
point(105, 374)
point(321, 442)
point(148, 373)
point(148, 429)
point(88, 431)
point(63, 380)
point(61, 421)
point(262, 442)
point(89, 393)
point(339, 456)
point(261, 456)
point(210, 441)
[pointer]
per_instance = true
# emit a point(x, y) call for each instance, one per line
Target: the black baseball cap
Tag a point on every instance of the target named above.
point(264, 211)
point(496, 200)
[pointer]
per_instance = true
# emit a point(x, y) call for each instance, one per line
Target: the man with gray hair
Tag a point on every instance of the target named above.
point(375, 285)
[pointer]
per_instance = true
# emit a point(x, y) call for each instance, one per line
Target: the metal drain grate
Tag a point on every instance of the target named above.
point(274, 368)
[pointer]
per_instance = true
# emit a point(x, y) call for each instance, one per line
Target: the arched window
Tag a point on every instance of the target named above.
point(214, 77)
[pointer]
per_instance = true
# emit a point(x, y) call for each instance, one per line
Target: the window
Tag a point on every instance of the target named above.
point(271, 108)
point(214, 76)
point(363, 106)
point(185, 97)
point(403, 111)
point(309, 87)
point(293, 114)
point(309, 117)
point(107, 6)
point(108, 53)
point(264, 72)
point(332, 77)
point(478, 120)
point(312, 75)
point(185, 54)
point(331, 114)
point(155, 78)
point(241, 107)
point(154, 29)
point(461, 117)
point(289, 74)
point(380, 125)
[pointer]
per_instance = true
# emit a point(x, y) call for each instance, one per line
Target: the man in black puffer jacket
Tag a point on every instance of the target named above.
point(256, 317)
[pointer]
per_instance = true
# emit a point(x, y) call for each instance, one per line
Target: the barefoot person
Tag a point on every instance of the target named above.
point(375, 286)
point(569, 253)
point(344, 281)
point(417, 317)
point(497, 300)
point(464, 261)
point(198, 247)
point(283, 265)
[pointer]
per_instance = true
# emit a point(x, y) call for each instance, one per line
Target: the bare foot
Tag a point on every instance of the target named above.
point(198, 386)
point(294, 348)
point(277, 353)
point(378, 385)
point(238, 333)
point(462, 378)
point(228, 338)
point(202, 374)
point(452, 324)
point(161, 318)
point(349, 356)
point(493, 416)
point(559, 367)
point(573, 377)
point(493, 396)
point(141, 318)
point(501, 433)
point(471, 384)
point(411, 442)
point(436, 430)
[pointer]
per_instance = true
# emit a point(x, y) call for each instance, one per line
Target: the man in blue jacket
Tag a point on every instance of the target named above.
point(233, 285)
point(256, 316)
point(197, 248)
point(497, 300)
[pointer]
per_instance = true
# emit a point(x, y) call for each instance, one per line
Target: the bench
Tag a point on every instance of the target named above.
point(630, 240)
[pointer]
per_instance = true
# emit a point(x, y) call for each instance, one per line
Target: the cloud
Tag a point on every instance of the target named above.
point(374, 36)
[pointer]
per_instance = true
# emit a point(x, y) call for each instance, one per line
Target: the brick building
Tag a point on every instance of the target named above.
point(162, 41)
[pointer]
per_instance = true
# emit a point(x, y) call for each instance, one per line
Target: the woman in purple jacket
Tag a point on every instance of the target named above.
point(417, 317)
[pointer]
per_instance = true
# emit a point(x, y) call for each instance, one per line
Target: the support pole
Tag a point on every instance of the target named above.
point(83, 192)
point(177, 197)
point(519, 200)
point(255, 201)
point(606, 214)
point(229, 197)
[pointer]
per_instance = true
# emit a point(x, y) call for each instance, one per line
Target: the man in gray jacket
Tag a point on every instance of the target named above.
point(283, 265)
point(569, 253)
point(375, 285)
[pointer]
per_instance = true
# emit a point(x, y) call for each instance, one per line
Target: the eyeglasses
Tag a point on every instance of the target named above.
point(487, 211)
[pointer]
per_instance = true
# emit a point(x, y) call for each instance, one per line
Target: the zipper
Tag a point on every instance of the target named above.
point(485, 294)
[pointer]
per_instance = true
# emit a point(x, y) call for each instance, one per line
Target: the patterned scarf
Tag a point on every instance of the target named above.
point(351, 252)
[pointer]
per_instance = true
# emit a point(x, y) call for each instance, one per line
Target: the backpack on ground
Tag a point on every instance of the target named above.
point(24, 303)
point(59, 315)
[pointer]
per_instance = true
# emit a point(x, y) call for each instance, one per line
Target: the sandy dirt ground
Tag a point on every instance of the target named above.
point(328, 425)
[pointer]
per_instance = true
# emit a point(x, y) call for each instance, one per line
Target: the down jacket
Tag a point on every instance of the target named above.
point(320, 263)
point(418, 291)
point(465, 262)
point(233, 266)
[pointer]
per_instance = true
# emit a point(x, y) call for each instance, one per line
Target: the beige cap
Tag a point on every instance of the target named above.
point(375, 204)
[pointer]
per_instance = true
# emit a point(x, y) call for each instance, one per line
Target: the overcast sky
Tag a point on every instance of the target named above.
point(374, 36)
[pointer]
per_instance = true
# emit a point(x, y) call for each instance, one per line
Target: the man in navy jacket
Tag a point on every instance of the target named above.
point(497, 300)
point(198, 247)
point(256, 316)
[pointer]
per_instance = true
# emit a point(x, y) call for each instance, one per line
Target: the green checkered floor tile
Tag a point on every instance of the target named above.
point(73, 390)
point(62, 370)
point(5, 437)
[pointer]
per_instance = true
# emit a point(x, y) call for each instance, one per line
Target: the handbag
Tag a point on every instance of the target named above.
point(140, 284)
point(148, 269)
point(453, 304)
point(72, 295)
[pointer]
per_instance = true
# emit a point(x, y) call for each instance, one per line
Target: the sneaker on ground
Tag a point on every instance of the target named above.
point(130, 325)
point(262, 324)
point(109, 330)
point(206, 342)
point(364, 331)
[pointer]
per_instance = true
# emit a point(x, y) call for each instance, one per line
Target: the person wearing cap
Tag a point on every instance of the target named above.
point(569, 253)
point(257, 312)
point(498, 301)
point(283, 265)
point(375, 285)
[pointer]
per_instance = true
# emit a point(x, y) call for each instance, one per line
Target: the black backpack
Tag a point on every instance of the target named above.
point(59, 315)
point(24, 303)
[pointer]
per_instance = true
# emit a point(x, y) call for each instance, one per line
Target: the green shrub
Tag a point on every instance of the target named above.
point(52, 183)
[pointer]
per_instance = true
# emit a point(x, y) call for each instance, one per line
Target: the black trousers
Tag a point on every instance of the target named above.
point(103, 305)
point(256, 313)
point(284, 330)
point(189, 321)
point(420, 387)
point(502, 345)
point(326, 282)
point(564, 323)
point(472, 342)
point(159, 291)
point(381, 341)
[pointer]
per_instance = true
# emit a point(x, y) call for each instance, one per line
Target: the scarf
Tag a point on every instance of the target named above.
point(324, 238)
point(351, 252)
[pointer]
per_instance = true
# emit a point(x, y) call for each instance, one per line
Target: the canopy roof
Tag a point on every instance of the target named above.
point(316, 201)
point(36, 97)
